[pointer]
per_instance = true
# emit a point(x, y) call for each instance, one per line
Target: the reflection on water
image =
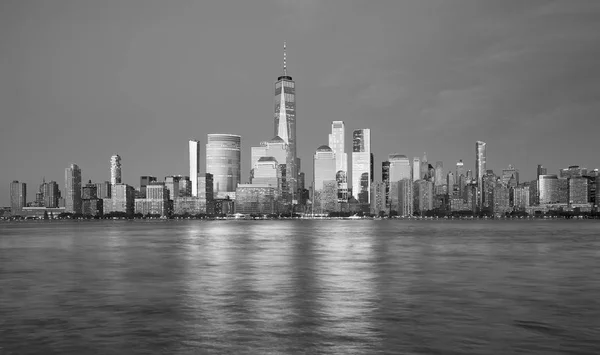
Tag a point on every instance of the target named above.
point(302, 287)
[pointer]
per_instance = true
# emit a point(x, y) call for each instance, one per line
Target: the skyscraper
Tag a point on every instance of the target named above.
point(480, 167)
point(416, 169)
point(51, 194)
point(399, 167)
point(115, 169)
point(324, 167)
point(460, 169)
point(223, 157)
point(362, 173)
point(285, 123)
point(18, 197)
point(73, 188)
point(439, 173)
point(194, 161)
point(385, 179)
point(145, 180)
point(337, 144)
point(541, 170)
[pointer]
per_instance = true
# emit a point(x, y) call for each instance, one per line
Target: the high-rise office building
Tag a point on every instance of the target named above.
point(541, 170)
point(115, 169)
point(122, 200)
point(401, 197)
point(91, 205)
point(450, 181)
point(439, 173)
point(423, 195)
point(424, 168)
point(223, 157)
point(480, 168)
point(548, 189)
point(324, 167)
point(18, 197)
point(510, 176)
point(267, 172)
point(337, 144)
point(578, 190)
point(194, 162)
point(51, 194)
point(460, 169)
point(399, 167)
point(385, 179)
point(573, 171)
point(285, 124)
point(73, 189)
point(145, 181)
point(362, 165)
point(416, 169)
point(378, 197)
point(103, 189)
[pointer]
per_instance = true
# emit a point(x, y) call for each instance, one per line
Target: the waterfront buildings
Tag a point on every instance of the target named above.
point(194, 164)
point(103, 189)
point(424, 168)
point(385, 178)
point(480, 168)
point(510, 176)
point(115, 169)
point(51, 194)
point(578, 190)
point(399, 167)
point(439, 173)
point(18, 197)
point(324, 168)
point(145, 181)
point(91, 205)
point(255, 199)
point(416, 169)
point(362, 165)
point(156, 201)
point(223, 158)
point(423, 196)
point(401, 197)
point(378, 197)
point(122, 200)
point(285, 125)
point(73, 189)
point(548, 189)
point(337, 144)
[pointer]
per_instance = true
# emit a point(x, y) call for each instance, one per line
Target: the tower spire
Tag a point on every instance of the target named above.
point(284, 60)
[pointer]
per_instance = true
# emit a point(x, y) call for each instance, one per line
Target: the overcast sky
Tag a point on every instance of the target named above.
point(81, 80)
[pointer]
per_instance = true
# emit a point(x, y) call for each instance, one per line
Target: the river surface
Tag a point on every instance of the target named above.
point(300, 287)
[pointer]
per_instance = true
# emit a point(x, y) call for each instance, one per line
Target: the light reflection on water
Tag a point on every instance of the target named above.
point(327, 287)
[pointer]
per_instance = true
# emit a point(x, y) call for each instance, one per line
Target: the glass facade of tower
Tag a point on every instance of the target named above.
point(480, 167)
point(337, 144)
point(416, 169)
point(362, 165)
point(399, 167)
point(115, 169)
point(223, 157)
point(285, 127)
point(73, 189)
point(194, 162)
point(324, 167)
point(18, 197)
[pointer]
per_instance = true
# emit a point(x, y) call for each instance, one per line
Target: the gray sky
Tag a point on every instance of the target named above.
point(81, 80)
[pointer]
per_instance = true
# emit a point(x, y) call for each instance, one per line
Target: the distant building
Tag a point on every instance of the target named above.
point(362, 165)
point(51, 194)
point(521, 197)
point(122, 200)
point(439, 173)
point(480, 167)
point(423, 195)
point(501, 199)
point(145, 180)
point(194, 164)
point(337, 139)
point(324, 168)
point(378, 196)
point(115, 169)
point(578, 190)
point(223, 157)
point(510, 174)
point(548, 189)
point(103, 189)
point(73, 189)
point(416, 169)
point(385, 178)
point(18, 197)
point(255, 199)
point(573, 171)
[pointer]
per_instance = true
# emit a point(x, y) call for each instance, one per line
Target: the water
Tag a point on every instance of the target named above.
point(300, 287)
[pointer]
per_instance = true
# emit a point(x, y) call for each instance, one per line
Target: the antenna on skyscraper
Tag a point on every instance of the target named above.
point(284, 60)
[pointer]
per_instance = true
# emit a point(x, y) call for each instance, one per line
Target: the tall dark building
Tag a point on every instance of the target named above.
point(540, 170)
point(285, 124)
point(18, 197)
point(480, 168)
point(385, 178)
point(51, 194)
point(145, 181)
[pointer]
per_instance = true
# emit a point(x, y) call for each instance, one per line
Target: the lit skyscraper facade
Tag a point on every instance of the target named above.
point(548, 189)
point(416, 169)
point(194, 157)
point(362, 165)
point(439, 173)
point(115, 169)
point(223, 158)
point(480, 167)
point(324, 167)
point(460, 169)
point(385, 179)
point(399, 167)
point(285, 124)
point(73, 189)
point(18, 197)
point(337, 144)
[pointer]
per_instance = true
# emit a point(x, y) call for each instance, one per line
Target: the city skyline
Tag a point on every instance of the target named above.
point(83, 107)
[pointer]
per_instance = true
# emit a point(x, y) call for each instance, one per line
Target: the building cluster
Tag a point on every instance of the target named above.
point(277, 186)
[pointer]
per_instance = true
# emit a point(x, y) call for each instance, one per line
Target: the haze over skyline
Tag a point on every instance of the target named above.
point(83, 80)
